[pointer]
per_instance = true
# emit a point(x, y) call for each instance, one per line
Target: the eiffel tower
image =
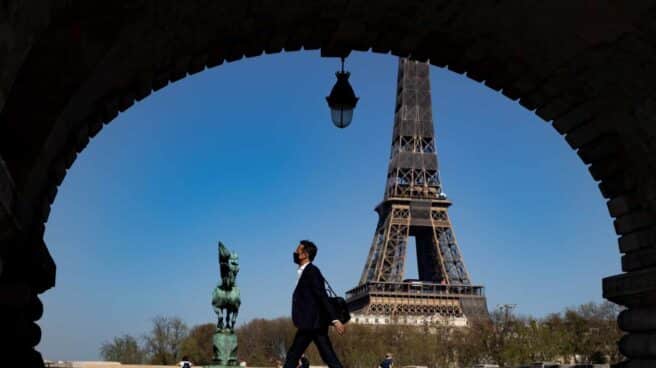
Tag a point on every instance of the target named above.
point(414, 205)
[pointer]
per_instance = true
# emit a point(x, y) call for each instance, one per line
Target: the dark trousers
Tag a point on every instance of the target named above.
point(303, 339)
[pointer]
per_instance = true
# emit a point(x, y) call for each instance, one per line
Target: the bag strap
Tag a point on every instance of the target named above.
point(330, 290)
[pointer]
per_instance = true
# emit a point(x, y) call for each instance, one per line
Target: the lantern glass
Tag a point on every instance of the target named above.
point(341, 116)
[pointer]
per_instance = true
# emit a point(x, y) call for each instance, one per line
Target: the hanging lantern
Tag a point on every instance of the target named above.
point(342, 100)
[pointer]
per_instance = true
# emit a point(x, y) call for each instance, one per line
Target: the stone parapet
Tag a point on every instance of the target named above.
point(632, 289)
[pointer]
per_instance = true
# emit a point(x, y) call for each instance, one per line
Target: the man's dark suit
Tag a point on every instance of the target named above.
point(312, 314)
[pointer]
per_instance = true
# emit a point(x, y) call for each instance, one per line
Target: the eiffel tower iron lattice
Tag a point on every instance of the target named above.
point(415, 205)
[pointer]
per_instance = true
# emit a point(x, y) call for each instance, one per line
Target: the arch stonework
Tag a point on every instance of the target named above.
point(69, 67)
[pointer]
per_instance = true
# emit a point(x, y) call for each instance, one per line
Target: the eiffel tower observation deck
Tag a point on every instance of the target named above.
point(415, 205)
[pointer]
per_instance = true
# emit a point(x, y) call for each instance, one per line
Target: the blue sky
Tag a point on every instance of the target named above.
point(245, 153)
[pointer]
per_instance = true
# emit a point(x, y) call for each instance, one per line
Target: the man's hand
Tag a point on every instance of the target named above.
point(339, 327)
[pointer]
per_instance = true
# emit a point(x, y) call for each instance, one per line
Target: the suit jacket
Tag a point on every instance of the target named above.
point(310, 306)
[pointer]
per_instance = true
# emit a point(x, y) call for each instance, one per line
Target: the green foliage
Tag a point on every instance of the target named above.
point(124, 349)
point(587, 333)
point(198, 344)
point(263, 342)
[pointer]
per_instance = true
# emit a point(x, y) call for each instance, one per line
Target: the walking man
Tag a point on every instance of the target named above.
point(312, 313)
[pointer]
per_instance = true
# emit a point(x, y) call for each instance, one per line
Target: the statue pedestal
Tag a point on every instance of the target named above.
point(225, 349)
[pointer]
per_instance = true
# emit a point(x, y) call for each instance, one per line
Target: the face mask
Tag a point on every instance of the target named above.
point(296, 259)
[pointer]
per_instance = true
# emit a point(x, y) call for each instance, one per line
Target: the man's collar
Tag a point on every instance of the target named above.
point(301, 268)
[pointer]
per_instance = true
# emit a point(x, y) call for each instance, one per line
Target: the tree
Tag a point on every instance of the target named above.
point(198, 344)
point(592, 332)
point(124, 349)
point(262, 342)
point(165, 339)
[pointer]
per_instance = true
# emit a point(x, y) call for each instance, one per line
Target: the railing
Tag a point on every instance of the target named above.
point(414, 288)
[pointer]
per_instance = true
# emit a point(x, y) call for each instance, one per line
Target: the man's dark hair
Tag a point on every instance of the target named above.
point(310, 248)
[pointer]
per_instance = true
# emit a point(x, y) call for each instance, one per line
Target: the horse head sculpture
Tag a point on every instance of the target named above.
point(228, 265)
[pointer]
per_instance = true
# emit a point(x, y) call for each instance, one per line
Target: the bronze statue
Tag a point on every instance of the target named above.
point(226, 302)
point(226, 296)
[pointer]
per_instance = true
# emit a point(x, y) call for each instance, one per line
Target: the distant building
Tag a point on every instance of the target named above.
point(381, 319)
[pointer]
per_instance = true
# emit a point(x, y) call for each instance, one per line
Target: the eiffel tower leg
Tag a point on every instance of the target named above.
point(392, 264)
point(386, 260)
point(452, 265)
point(375, 251)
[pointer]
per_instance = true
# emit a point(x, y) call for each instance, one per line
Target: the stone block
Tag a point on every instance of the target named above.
point(95, 123)
point(638, 240)
point(23, 356)
point(532, 100)
point(15, 295)
point(622, 205)
point(23, 332)
point(641, 259)
point(127, 99)
point(524, 84)
point(197, 63)
point(82, 137)
point(633, 221)
point(605, 146)
point(554, 109)
point(616, 185)
point(37, 267)
point(636, 363)
point(575, 117)
point(634, 289)
point(584, 134)
point(637, 320)
point(638, 345)
point(605, 168)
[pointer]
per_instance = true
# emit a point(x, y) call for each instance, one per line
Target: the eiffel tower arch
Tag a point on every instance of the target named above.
point(414, 205)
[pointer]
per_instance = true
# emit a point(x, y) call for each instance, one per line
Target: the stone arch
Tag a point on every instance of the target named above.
point(69, 68)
